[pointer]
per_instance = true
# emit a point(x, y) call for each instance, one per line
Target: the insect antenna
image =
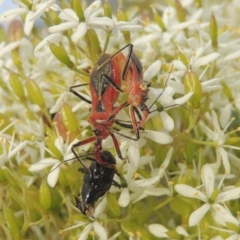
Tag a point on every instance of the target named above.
point(164, 87)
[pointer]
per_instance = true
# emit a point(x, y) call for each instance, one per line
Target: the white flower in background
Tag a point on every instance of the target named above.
point(160, 231)
point(10, 148)
point(88, 227)
point(55, 163)
point(218, 136)
point(232, 226)
point(71, 20)
point(143, 187)
point(208, 180)
point(33, 11)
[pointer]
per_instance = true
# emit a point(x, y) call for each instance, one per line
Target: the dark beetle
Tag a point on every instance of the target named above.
point(97, 180)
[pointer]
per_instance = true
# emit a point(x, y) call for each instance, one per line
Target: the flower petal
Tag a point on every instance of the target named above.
point(69, 15)
point(167, 121)
point(180, 230)
point(222, 215)
point(124, 198)
point(84, 234)
point(165, 163)
point(151, 191)
point(158, 137)
point(42, 164)
point(207, 59)
point(222, 152)
point(197, 215)
point(152, 71)
point(53, 38)
point(18, 149)
point(41, 9)
point(80, 32)
point(100, 207)
point(62, 27)
point(190, 192)
point(53, 175)
point(100, 231)
point(208, 179)
point(12, 14)
point(229, 195)
point(133, 154)
point(8, 48)
point(28, 23)
point(158, 230)
point(91, 9)
point(147, 182)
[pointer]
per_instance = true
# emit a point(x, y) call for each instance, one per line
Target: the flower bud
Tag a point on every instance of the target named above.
point(35, 93)
point(192, 84)
point(56, 200)
point(232, 227)
point(214, 195)
point(62, 130)
point(93, 45)
point(11, 222)
point(198, 3)
point(107, 9)
point(68, 118)
point(113, 205)
point(183, 58)
point(2, 176)
point(77, 7)
point(15, 31)
point(27, 3)
point(2, 34)
point(213, 29)
point(173, 235)
point(17, 86)
point(50, 141)
point(61, 54)
point(54, 16)
point(159, 20)
point(180, 11)
point(227, 92)
point(45, 196)
point(11, 180)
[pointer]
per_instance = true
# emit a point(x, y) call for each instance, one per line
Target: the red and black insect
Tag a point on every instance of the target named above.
point(134, 86)
point(105, 83)
point(97, 180)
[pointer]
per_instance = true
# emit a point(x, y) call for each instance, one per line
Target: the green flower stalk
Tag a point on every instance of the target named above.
point(213, 29)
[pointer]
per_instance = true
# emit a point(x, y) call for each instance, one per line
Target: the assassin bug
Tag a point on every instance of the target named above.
point(136, 89)
point(104, 95)
point(97, 180)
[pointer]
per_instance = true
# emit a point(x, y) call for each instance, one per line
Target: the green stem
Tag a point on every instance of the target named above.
point(162, 204)
point(106, 42)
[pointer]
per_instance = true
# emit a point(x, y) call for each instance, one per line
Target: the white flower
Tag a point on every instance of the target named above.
point(144, 187)
point(160, 231)
point(10, 149)
point(37, 9)
point(217, 135)
point(71, 20)
point(208, 180)
point(96, 226)
point(47, 162)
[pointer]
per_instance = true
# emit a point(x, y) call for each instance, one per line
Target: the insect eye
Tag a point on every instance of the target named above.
point(144, 86)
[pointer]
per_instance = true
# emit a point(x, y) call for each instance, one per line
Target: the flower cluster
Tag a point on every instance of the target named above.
point(180, 180)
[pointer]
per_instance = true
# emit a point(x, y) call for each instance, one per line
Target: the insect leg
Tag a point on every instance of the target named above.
point(78, 94)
